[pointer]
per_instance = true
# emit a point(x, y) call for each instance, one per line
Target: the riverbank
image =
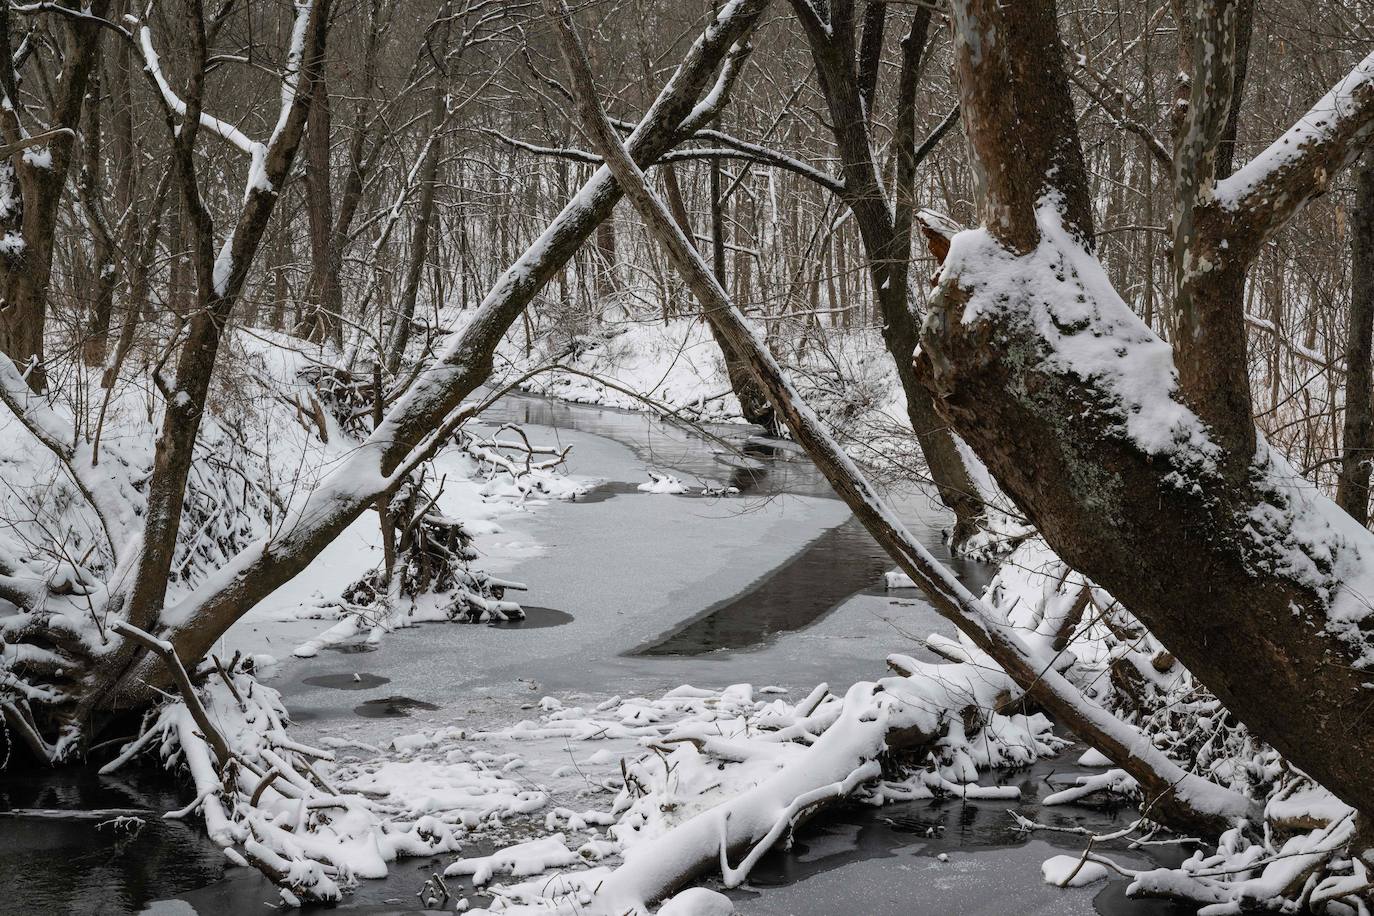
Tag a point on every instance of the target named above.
point(634, 593)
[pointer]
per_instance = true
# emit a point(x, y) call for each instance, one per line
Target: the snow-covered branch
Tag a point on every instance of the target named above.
point(427, 413)
point(174, 102)
point(56, 435)
point(1268, 190)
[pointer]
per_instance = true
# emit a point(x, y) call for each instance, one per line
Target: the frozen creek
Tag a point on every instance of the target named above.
point(632, 594)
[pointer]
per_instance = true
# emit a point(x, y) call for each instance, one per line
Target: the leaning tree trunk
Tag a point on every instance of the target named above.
point(753, 406)
point(1253, 580)
point(428, 411)
point(419, 239)
point(1174, 796)
point(1357, 448)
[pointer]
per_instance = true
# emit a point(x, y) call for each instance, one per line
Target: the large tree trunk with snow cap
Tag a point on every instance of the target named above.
point(1138, 474)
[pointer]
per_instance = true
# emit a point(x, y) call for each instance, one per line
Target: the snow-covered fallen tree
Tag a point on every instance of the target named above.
point(1181, 796)
point(719, 778)
point(728, 775)
point(138, 548)
point(1029, 659)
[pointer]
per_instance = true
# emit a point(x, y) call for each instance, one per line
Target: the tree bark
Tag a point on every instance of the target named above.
point(1208, 302)
point(1241, 571)
point(90, 186)
point(1187, 800)
point(1357, 449)
point(419, 239)
point(418, 422)
point(124, 154)
point(324, 304)
point(36, 178)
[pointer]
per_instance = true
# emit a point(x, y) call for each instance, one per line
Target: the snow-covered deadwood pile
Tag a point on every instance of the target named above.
point(730, 770)
point(722, 778)
point(1300, 848)
point(701, 782)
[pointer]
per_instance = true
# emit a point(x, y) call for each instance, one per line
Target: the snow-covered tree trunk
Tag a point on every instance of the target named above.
point(1138, 473)
point(428, 411)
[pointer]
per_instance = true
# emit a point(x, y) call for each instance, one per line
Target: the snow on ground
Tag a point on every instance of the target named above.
point(674, 363)
point(263, 445)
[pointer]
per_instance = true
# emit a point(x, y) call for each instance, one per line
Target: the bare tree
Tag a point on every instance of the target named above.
point(1186, 800)
point(420, 421)
point(39, 156)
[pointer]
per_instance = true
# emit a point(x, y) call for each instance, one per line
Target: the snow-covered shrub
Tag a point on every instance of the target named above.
point(1304, 852)
point(272, 803)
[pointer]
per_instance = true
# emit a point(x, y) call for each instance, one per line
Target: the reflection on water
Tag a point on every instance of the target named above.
point(726, 454)
point(75, 842)
point(855, 843)
point(390, 707)
point(536, 618)
point(841, 562)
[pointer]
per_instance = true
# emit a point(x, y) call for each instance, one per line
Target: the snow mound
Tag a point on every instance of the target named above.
point(1092, 757)
point(520, 860)
point(897, 579)
point(663, 483)
point(698, 901)
point(1064, 871)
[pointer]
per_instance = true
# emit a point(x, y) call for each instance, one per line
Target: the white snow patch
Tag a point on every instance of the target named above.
point(1057, 871)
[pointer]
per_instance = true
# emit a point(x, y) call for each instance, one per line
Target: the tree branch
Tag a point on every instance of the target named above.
point(1269, 190)
point(435, 395)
